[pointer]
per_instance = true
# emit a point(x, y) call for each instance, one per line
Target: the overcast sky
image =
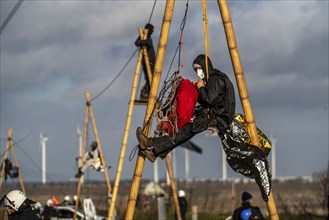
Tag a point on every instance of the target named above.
point(52, 52)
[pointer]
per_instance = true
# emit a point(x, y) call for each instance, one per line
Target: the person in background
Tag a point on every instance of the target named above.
point(19, 207)
point(247, 211)
point(67, 201)
point(76, 200)
point(148, 43)
point(89, 158)
point(182, 204)
point(49, 210)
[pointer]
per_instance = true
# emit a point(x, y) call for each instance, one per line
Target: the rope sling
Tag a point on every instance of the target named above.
point(166, 112)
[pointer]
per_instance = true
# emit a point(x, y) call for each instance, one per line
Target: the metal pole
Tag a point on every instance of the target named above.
point(273, 150)
point(243, 92)
point(224, 167)
point(151, 103)
point(43, 140)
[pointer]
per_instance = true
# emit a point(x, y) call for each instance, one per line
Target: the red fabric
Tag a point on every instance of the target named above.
point(187, 96)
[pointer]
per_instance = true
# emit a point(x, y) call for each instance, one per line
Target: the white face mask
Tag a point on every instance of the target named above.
point(200, 73)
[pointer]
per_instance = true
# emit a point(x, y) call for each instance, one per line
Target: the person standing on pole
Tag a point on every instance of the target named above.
point(148, 43)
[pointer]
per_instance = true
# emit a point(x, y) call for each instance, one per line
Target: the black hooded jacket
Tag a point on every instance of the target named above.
point(26, 212)
point(218, 93)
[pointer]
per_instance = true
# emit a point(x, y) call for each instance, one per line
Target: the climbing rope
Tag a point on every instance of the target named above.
point(16, 143)
point(133, 54)
point(11, 15)
point(152, 11)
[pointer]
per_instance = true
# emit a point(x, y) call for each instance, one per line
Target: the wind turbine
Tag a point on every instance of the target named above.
point(273, 140)
point(43, 140)
point(224, 165)
point(79, 134)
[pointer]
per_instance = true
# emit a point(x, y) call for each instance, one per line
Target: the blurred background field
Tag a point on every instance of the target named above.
point(295, 198)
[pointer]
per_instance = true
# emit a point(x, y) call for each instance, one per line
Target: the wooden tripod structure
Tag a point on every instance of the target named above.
point(10, 146)
point(89, 112)
point(142, 55)
point(243, 92)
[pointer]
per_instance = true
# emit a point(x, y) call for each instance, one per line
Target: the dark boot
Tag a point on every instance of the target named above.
point(149, 155)
point(79, 174)
point(144, 142)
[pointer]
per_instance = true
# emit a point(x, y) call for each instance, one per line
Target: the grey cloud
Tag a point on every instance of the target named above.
point(48, 65)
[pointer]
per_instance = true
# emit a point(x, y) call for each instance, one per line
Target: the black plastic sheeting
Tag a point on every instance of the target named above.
point(247, 159)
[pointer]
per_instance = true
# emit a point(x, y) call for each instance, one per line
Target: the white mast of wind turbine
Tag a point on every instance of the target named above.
point(224, 166)
point(174, 162)
point(273, 140)
point(79, 134)
point(156, 171)
point(43, 140)
point(187, 165)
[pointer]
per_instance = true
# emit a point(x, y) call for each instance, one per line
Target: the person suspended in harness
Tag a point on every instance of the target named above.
point(148, 43)
point(216, 111)
point(178, 109)
point(10, 170)
point(88, 159)
point(217, 106)
point(246, 211)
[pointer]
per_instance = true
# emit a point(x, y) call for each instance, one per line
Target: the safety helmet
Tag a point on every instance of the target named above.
point(75, 197)
point(38, 206)
point(14, 199)
point(181, 193)
point(50, 202)
point(67, 198)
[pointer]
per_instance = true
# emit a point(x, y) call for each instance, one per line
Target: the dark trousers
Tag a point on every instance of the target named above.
point(163, 145)
point(147, 85)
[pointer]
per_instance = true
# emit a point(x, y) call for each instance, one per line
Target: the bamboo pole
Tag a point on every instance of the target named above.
point(125, 136)
point(243, 92)
point(99, 144)
point(84, 143)
point(173, 187)
point(205, 29)
point(9, 145)
point(151, 103)
point(10, 140)
point(9, 132)
point(143, 36)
